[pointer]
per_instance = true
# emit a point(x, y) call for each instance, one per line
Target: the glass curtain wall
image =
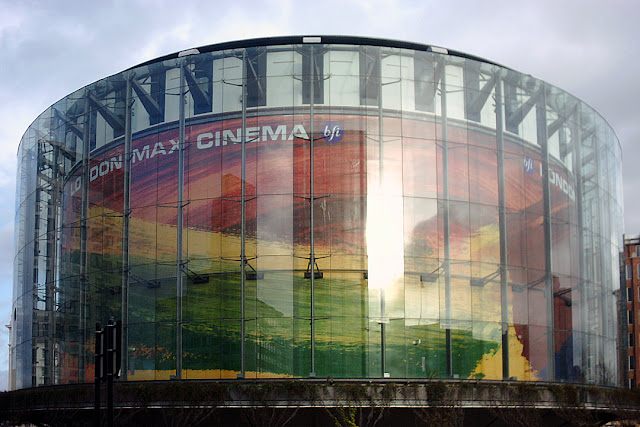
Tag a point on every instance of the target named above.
point(316, 210)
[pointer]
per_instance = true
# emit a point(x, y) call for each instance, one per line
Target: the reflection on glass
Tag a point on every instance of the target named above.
point(380, 284)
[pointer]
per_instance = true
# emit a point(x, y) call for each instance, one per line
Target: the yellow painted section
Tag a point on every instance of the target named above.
point(490, 366)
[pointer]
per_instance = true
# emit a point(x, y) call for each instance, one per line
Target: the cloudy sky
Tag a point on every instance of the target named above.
point(50, 48)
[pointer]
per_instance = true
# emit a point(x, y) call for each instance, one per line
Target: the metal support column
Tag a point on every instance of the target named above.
point(243, 218)
point(541, 122)
point(180, 223)
point(52, 236)
point(383, 302)
point(446, 263)
point(575, 143)
point(84, 213)
point(502, 224)
point(599, 294)
point(312, 253)
point(98, 372)
point(126, 206)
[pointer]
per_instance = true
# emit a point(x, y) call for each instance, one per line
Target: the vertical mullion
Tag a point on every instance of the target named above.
point(541, 122)
point(502, 223)
point(180, 224)
point(126, 206)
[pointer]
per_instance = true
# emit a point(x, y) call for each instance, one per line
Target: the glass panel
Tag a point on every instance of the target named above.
point(280, 81)
point(455, 92)
point(419, 167)
point(344, 84)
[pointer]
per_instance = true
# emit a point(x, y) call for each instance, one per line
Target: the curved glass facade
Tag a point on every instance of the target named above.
point(329, 207)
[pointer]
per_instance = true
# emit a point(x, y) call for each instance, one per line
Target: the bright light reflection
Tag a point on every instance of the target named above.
point(385, 240)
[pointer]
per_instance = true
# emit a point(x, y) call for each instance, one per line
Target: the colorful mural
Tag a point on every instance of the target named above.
point(277, 224)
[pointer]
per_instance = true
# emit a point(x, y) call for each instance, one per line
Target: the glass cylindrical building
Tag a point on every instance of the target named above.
point(319, 207)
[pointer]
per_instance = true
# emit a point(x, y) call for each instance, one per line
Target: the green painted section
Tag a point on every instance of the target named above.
point(278, 330)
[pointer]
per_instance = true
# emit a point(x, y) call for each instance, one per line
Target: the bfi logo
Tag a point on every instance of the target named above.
point(529, 165)
point(332, 132)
